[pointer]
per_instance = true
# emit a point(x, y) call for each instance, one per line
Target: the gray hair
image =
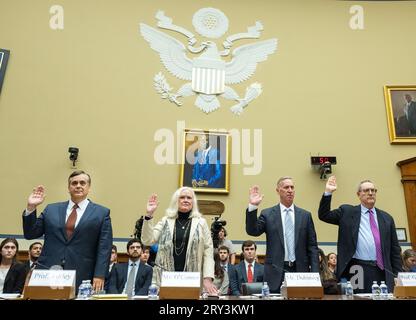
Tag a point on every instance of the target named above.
point(172, 210)
point(364, 181)
point(282, 179)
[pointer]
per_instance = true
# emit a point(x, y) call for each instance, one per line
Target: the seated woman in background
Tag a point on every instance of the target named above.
point(332, 262)
point(409, 260)
point(12, 272)
point(328, 279)
point(221, 280)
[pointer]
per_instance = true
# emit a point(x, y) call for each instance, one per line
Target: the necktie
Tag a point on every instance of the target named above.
point(289, 236)
point(130, 280)
point(377, 241)
point(250, 273)
point(70, 223)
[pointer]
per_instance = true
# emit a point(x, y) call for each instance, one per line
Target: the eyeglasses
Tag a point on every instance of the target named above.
point(368, 190)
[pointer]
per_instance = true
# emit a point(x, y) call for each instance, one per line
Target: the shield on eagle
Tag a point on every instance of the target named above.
point(208, 74)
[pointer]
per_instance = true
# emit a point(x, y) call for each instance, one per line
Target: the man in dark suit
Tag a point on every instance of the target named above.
point(133, 277)
point(290, 234)
point(367, 239)
point(224, 254)
point(410, 111)
point(78, 233)
point(35, 250)
point(247, 270)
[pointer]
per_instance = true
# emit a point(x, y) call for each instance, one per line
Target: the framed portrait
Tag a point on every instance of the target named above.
point(4, 58)
point(205, 161)
point(401, 113)
point(401, 234)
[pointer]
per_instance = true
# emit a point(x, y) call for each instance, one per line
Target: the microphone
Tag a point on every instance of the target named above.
point(153, 264)
point(42, 266)
point(283, 270)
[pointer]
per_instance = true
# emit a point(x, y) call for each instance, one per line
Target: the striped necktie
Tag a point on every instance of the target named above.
point(289, 236)
point(377, 240)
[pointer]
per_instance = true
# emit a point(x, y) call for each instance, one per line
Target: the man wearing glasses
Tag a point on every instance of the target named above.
point(368, 249)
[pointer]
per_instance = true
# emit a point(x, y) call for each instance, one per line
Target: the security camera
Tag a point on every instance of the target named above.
point(73, 154)
point(325, 169)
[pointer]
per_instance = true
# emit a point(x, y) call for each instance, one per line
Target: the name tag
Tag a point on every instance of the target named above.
point(52, 278)
point(407, 279)
point(302, 279)
point(181, 279)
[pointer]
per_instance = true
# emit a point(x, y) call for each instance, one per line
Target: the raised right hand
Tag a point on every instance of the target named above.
point(36, 198)
point(254, 196)
point(151, 205)
point(331, 184)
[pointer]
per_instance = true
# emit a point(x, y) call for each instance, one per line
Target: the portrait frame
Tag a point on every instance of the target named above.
point(4, 58)
point(402, 130)
point(205, 165)
point(401, 234)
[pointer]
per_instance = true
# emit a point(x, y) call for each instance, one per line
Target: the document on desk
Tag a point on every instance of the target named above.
point(110, 296)
point(10, 296)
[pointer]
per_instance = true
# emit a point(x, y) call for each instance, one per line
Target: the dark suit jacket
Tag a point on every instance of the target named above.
point(306, 247)
point(348, 219)
point(15, 278)
point(240, 276)
point(232, 277)
point(411, 111)
point(118, 278)
point(89, 249)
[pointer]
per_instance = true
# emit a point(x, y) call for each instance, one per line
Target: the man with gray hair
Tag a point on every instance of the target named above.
point(367, 239)
point(290, 234)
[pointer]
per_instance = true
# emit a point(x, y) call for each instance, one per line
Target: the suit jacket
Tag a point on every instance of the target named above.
point(348, 219)
point(15, 278)
point(306, 247)
point(411, 111)
point(240, 276)
point(232, 278)
point(89, 249)
point(118, 278)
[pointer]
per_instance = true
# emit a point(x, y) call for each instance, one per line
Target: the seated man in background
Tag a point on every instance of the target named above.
point(224, 253)
point(113, 258)
point(133, 277)
point(247, 270)
point(145, 254)
point(34, 252)
point(113, 261)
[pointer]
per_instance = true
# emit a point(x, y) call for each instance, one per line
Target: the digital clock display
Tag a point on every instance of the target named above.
point(322, 159)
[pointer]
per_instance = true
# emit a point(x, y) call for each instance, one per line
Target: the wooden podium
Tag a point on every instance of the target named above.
point(302, 285)
point(189, 293)
point(303, 292)
point(404, 292)
point(180, 285)
point(50, 285)
point(48, 293)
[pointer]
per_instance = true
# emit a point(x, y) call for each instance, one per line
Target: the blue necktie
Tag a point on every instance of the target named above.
point(289, 236)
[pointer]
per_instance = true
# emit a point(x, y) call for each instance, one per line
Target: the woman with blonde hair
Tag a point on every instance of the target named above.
point(184, 238)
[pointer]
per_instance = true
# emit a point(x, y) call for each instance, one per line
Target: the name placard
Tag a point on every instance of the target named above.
point(406, 279)
point(181, 279)
point(52, 278)
point(302, 279)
